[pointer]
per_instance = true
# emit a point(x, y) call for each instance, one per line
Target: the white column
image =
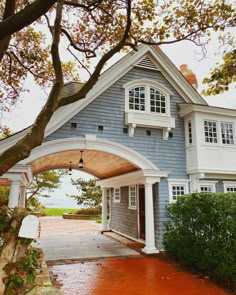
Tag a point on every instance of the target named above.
point(22, 200)
point(149, 220)
point(104, 210)
point(14, 194)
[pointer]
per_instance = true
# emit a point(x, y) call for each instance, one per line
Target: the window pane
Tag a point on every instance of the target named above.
point(157, 99)
point(137, 98)
point(227, 133)
point(210, 130)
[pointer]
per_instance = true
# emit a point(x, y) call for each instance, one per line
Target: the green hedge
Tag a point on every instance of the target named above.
point(201, 233)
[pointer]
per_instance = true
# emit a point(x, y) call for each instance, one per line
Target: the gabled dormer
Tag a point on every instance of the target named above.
point(147, 104)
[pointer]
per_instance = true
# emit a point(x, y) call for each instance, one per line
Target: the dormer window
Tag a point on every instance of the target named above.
point(137, 98)
point(147, 104)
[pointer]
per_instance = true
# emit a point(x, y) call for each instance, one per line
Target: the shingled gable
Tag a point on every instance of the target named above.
point(151, 57)
point(146, 56)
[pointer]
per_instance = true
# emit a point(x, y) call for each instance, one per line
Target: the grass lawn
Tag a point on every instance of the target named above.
point(57, 211)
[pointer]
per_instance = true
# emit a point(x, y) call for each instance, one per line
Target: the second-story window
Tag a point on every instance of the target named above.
point(157, 101)
point(137, 98)
point(210, 130)
point(227, 133)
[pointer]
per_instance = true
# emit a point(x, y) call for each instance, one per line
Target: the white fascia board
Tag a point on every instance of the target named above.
point(23, 172)
point(13, 139)
point(212, 171)
point(173, 75)
point(137, 177)
point(186, 109)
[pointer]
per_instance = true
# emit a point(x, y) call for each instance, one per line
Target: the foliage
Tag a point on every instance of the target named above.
point(201, 233)
point(4, 195)
point(57, 211)
point(92, 33)
point(91, 193)
point(5, 218)
point(223, 75)
point(45, 183)
point(89, 210)
point(20, 272)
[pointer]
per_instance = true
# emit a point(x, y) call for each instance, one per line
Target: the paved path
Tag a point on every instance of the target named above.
point(130, 276)
point(63, 239)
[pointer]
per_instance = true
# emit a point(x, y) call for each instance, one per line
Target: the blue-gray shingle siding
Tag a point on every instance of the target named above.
point(107, 110)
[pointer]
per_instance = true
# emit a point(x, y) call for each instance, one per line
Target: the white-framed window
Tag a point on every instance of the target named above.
point(229, 187)
point(210, 131)
point(133, 197)
point(147, 96)
point(137, 98)
point(190, 134)
point(177, 187)
point(227, 133)
point(207, 186)
point(157, 101)
point(147, 99)
point(116, 195)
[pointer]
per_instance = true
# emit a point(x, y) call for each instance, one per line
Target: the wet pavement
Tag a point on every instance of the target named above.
point(63, 239)
point(130, 276)
point(127, 275)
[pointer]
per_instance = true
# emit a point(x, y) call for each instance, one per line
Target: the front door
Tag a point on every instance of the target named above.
point(142, 212)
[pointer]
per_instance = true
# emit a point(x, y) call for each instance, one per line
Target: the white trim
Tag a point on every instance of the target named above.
point(90, 143)
point(228, 184)
point(132, 207)
point(146, 118)
point(136, 177)
point(209, 183)
point(116, 197)
point(186, 109)
point(177, 182)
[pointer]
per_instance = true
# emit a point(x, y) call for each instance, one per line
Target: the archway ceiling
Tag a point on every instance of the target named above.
point(100, 164)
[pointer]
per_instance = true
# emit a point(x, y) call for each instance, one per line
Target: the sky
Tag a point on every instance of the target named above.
point(179, 53)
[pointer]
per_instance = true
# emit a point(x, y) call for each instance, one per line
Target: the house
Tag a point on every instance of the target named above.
point(148, 136)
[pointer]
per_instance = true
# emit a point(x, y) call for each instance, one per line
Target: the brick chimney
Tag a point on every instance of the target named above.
point(189, 75)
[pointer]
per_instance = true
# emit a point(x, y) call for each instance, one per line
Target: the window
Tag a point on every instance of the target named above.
point(227, 133)
point(144, 98)
point(132, 197)
point(229, 187)
point(190, 136)
point(157, 101)
point(116, 195)
point(137, 98)
point(147, 104)
point(177, 188)
point(205, 188)
point(210, 130)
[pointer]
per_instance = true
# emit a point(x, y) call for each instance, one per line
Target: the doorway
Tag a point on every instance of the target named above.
point(141, 194)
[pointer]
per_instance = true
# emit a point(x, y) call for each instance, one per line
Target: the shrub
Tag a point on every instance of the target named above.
point(90, 211)
point(201, 233)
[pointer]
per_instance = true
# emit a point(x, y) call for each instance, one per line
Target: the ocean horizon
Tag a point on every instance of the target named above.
point(62, 202)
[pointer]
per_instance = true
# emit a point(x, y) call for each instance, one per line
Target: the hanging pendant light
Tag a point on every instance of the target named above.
point(70, 169)
point(81, 161)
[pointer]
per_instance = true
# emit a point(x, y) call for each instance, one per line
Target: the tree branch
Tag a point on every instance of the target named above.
point(9, 10)
point(24, 17)
point(34, 137)
point(95, 75)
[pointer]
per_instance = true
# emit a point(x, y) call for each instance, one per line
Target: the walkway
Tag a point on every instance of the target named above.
point(127, 275)
point(63, 239)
